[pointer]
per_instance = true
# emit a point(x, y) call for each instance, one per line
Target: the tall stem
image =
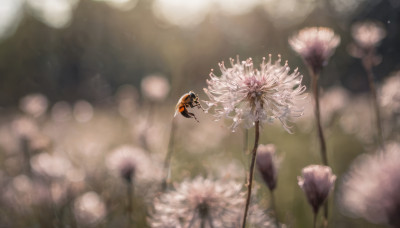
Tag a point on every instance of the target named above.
point(167, 161)
point(245, 149)
point(314, 78)
point(251, 173)
point(273, 206)
point(367, 63)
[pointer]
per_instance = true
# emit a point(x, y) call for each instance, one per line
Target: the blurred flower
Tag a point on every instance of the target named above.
point(23, 194)
point(286, 13)
point(316, 181)
point(54, 13)
point(34, 104)
point(390, 96)
point(246, 94)
point(124, 5)
point(180, 12)
point(315, 45)
point(333, 101)
point(368, 34)
point(11, 13)
point(126, 97)
point(204, 202)
point(371, 189)
point(51, 165)
point(155, 87)
point(267, 164)
point(131, 163)
point(89, 208)
point(61, 111)
point(236, 7)
point(83, 111)
point(24, 127)
point(354, 118)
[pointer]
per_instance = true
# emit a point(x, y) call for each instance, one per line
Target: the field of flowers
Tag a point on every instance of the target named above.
point(257, 142)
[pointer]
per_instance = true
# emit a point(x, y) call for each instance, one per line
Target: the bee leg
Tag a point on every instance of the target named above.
point(187, 114)
point(198, 105)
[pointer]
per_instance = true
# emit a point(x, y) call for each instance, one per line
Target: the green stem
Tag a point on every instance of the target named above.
point(167, 161)
point(273, 206)
point(251, 174)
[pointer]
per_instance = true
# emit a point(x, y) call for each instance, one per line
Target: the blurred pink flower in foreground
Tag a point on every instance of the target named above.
point(371, 189)
point(316, 181)
point(245, 94)
point(315, 45)
point(205, 203)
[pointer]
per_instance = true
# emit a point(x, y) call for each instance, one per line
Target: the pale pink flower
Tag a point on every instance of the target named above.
point(368, 34)
point(155, 87)
point(245, 94)
point(315, 45)
point(316, 181)
point(267, 164)
point(89, 209)
point(205, 203)
point(371, 189)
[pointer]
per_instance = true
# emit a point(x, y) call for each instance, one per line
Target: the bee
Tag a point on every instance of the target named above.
point(188, 100)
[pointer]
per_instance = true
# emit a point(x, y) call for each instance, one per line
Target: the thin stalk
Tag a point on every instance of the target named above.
point(245, 149)
point(314, 78)
point(167, 161)
point(130, 203)
point(251, 174)
point(203, 222)
point(273, 206)
point(24, 142)
point(367, 63)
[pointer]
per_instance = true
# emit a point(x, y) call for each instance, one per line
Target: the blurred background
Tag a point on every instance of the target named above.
point(81, 79)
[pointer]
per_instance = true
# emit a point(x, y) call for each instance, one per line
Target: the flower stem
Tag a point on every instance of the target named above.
point(315, 87)
point(367, 63)
point(167, 161)
point(251, 173)
point(315, 77)
point(273, 206)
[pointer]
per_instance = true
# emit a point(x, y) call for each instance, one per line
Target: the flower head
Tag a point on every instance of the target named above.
point(317, 181)
point(132, 163)
point(267, 164)
point(155, 87)
point(34, 104)
point(89, 208)
point(204, 202)
point(315, 45)
point(371, 189)
point(245, 94)
point(368, 34)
